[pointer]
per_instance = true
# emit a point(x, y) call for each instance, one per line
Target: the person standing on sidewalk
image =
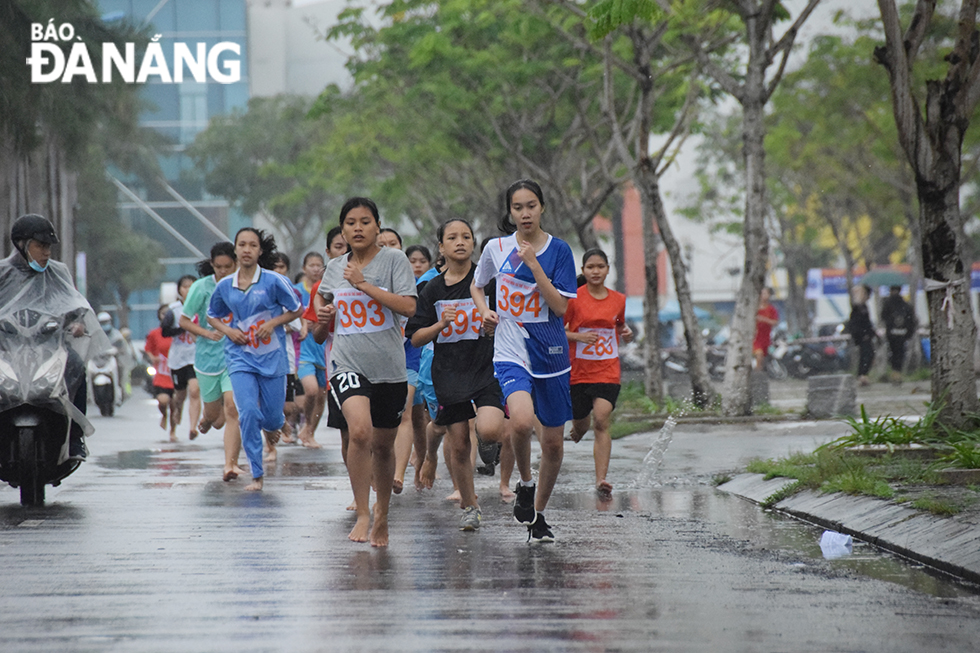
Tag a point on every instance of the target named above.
point(765, 319)
point(535, 274)
point(900, 322)
point(862, 331)
point(260, 302)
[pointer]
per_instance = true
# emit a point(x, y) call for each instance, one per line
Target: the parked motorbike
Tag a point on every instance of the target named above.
point(35, 407)
point(103, 373)
point(805, 358)
point(775, 366)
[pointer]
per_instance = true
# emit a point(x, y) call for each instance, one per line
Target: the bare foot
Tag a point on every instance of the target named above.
point(270, 455)
point(311, 444)
point(229, 475)
point(272, 437)
point(413, 460)
point(379, 534)
point(454, 497)
point(163, 422)
point(360, 531)
point(287, 434)
point(506, 494)
point(576, 437)
point(173, 437)
point(419, 485)
point(255, 485)
point(603, 487)
point(397, 486)
point(193, 434)
point(428, 474)
point(238, 470)
point(353, 506)
point(203, 427)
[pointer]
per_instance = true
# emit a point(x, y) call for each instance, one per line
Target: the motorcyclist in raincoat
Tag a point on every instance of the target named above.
point(30, 281)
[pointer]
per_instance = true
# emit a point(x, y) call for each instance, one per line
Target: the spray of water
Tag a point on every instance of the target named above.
point(654, 460)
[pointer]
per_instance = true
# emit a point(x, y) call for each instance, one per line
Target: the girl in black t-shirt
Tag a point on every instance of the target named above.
point(447, 315)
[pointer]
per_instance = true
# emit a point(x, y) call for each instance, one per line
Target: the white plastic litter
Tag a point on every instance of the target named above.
point(835, 545)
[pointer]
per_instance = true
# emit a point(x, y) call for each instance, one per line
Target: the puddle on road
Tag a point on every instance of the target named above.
point(174, 461)
point(764, 531)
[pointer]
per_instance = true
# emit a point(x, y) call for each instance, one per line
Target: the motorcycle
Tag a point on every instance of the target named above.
point(103, 371)
point(35, 407)
point(805, 358)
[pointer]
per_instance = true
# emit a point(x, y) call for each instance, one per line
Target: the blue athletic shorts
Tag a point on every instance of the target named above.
point(309, 369)
point(425, 394)
point(552, 395)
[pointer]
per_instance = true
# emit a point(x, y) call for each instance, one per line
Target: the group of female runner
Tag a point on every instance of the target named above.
point(515, 345)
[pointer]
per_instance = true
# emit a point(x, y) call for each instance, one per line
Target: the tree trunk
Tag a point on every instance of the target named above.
point(933, 144)
point(952, 330)
point(702, 391)
point(737, 397)
point(653, 381)
point(797, 316)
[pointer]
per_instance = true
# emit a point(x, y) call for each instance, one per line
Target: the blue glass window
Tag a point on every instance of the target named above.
point(232, 15)
point(197, 16)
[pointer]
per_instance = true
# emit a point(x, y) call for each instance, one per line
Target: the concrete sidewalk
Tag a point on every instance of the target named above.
point(951, 544)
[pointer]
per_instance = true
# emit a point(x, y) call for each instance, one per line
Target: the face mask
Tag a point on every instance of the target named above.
point(37, 268)
point(107, 327)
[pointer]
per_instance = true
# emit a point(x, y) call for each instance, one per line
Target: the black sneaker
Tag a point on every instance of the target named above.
point(539, 531)
point(488, 451)
point(524, 505)
point(486, 470)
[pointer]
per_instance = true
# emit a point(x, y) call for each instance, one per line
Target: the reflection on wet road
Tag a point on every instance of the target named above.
point(146, 549)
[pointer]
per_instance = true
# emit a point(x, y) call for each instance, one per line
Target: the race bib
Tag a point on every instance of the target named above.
point(163, 365)
point(520, 300)
point(605, 347)
point(255, 345)
point(466, 325)
point(358, 313)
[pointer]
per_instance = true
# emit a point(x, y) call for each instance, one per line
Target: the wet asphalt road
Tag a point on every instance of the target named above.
point(145, 549)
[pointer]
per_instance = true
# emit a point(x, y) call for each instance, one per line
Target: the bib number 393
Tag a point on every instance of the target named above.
point(605, 347)
point(520, 300)
point(358, 313)
point(465, 326)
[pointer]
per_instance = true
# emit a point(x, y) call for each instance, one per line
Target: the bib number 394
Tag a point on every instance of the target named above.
point(520, 300)
point(605, 347)
point(358, 313)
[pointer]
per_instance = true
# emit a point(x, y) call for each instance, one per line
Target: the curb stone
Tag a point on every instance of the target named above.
point(944, 543)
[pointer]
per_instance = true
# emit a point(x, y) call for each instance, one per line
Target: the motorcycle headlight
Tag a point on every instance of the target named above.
point(48, 380)
point(151, 371)
point(8, 380)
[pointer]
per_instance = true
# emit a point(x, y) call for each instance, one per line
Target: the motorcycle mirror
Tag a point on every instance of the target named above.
point(49, 328)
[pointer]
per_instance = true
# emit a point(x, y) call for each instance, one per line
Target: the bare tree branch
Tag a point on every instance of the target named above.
point(917, 28)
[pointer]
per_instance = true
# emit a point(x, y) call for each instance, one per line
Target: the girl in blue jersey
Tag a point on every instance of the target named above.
point(260, 302)
point(535, 275)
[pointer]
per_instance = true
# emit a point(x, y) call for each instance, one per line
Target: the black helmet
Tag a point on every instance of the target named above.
point(33, 227)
